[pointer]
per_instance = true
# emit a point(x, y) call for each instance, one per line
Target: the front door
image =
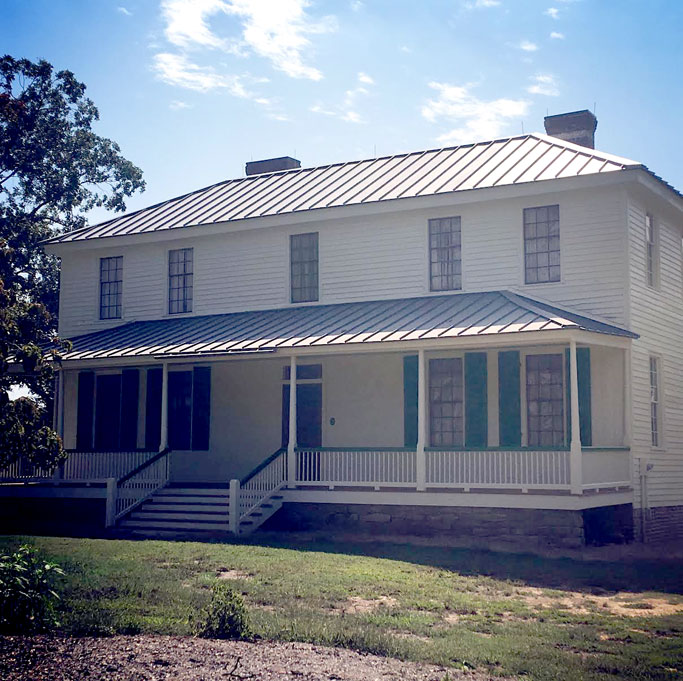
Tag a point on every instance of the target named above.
point(309, 402)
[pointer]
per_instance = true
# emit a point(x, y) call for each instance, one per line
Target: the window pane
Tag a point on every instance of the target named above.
point(111, 287)
point(445, 254)
point(446, 402)
point(180, 277)
point(304, 267)
point(542, 244)
point(655, 419)
point(545, 400)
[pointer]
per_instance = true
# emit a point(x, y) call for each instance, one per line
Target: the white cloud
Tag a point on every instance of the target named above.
point(276, 30)
point(476, 119)
point(348, 109)
point(178, 104)
point(527, 46)
point(125, 11)
point(356, 5)
point(479, 4)
point(177, 69)
point(544, 84)
point(552, 12)
point(406, 49)
point(555, 35)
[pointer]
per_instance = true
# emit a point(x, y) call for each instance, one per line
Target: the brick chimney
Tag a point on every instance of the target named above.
point(271, 165)
point(577, 127)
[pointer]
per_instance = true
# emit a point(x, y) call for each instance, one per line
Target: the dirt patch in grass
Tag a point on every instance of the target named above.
point(225, 573)
point(355, 605)
point(131, 658)
point(622, 604)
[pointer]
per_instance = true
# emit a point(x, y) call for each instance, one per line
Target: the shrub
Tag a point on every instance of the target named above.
point(226, 616)
point(27, 597)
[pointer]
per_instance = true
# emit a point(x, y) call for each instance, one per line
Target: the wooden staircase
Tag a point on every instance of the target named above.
point(193, 510)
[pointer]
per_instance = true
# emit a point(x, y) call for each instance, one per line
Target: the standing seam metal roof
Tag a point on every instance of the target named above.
point(379, 321)
point(509, 161)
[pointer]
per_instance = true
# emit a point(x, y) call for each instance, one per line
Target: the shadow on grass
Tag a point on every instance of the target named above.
point(590, 576)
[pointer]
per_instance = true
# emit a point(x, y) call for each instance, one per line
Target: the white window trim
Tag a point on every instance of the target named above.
point(455, 354)
point(288, 247)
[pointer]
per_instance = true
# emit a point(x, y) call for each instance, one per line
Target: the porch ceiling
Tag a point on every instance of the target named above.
point(381, 321)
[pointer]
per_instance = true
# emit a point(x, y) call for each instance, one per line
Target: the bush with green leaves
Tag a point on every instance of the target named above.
point(27, 594)
point(226, 616)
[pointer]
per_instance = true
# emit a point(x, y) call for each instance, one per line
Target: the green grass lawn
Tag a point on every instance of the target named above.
point(508, 614)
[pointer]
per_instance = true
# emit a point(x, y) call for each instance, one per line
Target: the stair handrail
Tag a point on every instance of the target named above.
point(134, 488)
point(262, 482)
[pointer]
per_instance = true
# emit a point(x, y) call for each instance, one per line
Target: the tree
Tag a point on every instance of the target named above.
point(53, 169)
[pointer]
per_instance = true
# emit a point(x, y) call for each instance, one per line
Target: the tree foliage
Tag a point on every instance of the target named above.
point(53, 169)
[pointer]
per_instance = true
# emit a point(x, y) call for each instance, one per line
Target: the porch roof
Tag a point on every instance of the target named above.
point(379, 321)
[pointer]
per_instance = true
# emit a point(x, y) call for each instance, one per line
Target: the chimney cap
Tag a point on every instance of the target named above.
point(271, 165)
point(575, 126)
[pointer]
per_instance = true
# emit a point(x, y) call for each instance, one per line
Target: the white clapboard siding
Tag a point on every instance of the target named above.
point(364, 258)
point(657, 315)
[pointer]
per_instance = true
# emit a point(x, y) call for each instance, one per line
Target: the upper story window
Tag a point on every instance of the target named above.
point(655, 405)
point(180, 276)
point(304, 267)
point(445, 254)
point(541, 244)
point(111, 287)
point(651, 254)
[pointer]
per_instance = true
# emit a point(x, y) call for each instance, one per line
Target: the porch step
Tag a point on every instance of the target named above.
point(189, 517)
point(194, 491)
point(190, 507)
point(174, 525)
point(190, 499)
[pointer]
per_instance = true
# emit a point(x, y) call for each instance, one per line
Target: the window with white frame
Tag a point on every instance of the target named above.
point(446, 402)
point(445, 254)
point(180, 280)
point(651, 254)
point(111, 287)
point(655, 403)
point(304, 267)
point(542, 244)
point(545, 400)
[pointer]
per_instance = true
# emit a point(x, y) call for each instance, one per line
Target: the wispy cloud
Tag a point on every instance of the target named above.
point(555, 35)
point(552, 12)
point(479, 4)
point(348, 109)
point(276, 30)
point(124, 11)
point(475, 119)
point(544, 84)
point(178, 104)
point(356, 5)
point(527, 46)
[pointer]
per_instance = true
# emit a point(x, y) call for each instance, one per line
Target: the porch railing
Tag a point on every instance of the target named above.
point(79, 466)
point(324, 466)
point(498, 468)
point(135, 487)
point(262, 482)
point(606, 467)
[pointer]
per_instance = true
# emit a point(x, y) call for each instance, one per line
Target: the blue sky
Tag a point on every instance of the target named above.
point(192, 89)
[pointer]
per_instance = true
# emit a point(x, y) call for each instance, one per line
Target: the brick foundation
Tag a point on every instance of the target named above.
point(663, 523)
point(477, 527)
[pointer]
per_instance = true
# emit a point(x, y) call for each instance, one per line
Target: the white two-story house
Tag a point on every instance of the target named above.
point(483, 341)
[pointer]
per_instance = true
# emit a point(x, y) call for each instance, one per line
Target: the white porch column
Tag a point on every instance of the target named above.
point(291, 443)
point(420, 463)
point(163, 440)
point(575, 453)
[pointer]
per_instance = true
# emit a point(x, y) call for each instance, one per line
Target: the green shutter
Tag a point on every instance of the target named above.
point(130, 396)
point(410, 400)
point(86, 399)
point(476, 400)
point(153, 409)
point(201, 407)
point(583, 370)
point(509, 404)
